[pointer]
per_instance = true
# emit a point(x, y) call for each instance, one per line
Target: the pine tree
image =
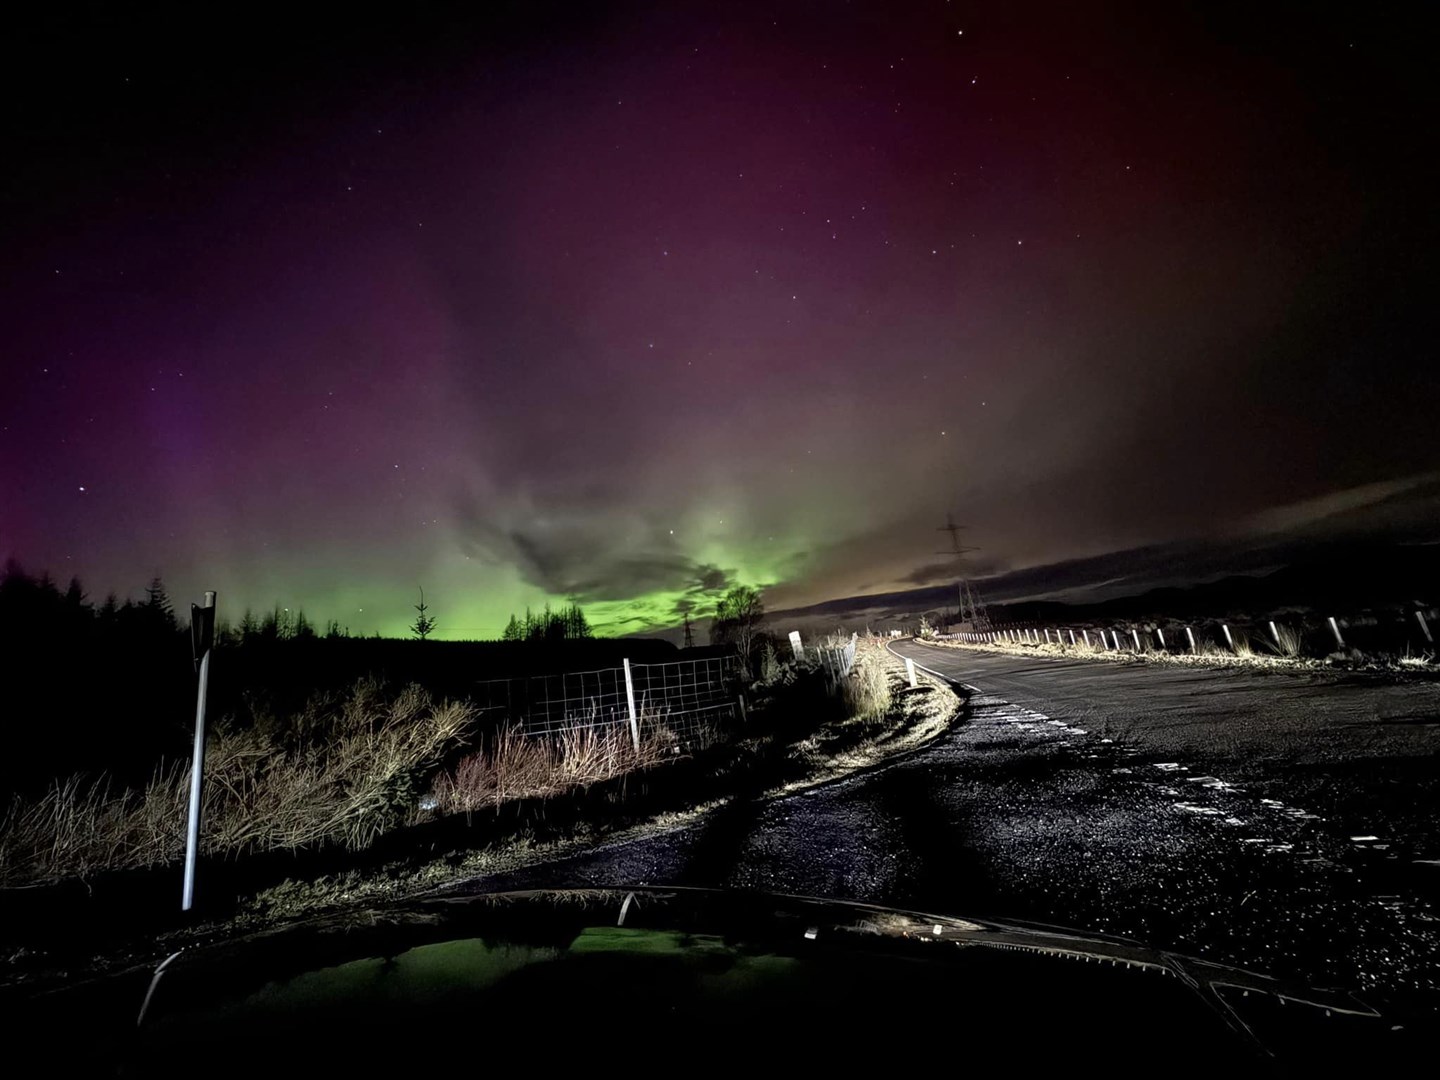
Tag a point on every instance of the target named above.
point(512, 630)
point(424, 625)
point(157, 608)
point(689, 633)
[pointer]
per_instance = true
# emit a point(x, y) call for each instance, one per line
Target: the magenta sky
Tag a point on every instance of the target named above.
point(634, 305)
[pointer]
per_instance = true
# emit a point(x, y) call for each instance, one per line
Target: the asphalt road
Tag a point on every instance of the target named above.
point(1281, 822)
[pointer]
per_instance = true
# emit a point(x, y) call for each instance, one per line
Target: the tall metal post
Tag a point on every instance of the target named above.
point(202, 636)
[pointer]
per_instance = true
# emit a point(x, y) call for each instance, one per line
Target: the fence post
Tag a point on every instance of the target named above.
point(796, 646)
point(744, 716)
point(1335, 629)
point(1189, 634)
point(1135, 634)
point(1086, 635)
point(1230, 641)
point(202, 635)
point(1072, 639)
point(1116, 635)
point(630, 701)
point(910, 671)
point(1424, 626)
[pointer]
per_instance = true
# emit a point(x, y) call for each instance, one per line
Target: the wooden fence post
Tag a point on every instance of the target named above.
point(630, 700)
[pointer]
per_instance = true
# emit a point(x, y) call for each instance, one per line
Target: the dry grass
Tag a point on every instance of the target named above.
point(1287, 641)
point(343, 771)
point(519, 766)
point(866, 692)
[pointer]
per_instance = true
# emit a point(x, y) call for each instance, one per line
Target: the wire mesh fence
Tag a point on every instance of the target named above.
point(685, 697)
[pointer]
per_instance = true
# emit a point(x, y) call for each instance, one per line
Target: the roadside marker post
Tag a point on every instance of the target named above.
point(1086, 635)
point(1072, 639)
point(1190, 635)
point(1274, 633)
point(1335, 629)
point(910, 671)
point(202, 640)
point(1161, 635)
point(795, 645)
point(1116, 635)
point(1424, 626)
point(630, 701)
point(1135, 635)
point(1228, 639)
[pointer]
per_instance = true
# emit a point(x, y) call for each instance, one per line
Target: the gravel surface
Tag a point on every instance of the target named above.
point(1281, 822)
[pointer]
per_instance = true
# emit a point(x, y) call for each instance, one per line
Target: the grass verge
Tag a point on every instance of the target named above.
point(510, 804)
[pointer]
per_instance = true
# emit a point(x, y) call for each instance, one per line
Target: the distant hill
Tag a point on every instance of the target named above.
point(1336, 579)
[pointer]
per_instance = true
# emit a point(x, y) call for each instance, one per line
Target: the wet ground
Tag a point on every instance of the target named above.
point(1280, 822)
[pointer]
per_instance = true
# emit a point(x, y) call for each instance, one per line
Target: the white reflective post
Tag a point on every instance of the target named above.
point(197, 758)
point(795, 645)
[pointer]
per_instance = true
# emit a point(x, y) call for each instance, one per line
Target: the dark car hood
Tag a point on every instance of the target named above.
point(718, 974)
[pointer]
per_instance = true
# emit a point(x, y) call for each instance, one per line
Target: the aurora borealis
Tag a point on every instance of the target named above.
point(632, 302)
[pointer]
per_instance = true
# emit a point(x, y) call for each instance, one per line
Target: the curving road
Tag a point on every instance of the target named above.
point(1278, 821)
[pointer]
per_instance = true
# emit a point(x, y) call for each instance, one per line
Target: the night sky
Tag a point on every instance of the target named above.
point(633, 302)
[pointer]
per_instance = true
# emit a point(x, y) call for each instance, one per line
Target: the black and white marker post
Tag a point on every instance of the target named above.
point(202, 637)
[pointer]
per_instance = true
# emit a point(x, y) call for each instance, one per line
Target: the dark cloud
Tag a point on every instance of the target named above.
point(587, 553)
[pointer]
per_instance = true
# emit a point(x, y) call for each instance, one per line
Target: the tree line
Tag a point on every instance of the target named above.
point(567, 624)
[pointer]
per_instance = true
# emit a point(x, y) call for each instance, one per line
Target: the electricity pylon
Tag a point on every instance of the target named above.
point(973, 615)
